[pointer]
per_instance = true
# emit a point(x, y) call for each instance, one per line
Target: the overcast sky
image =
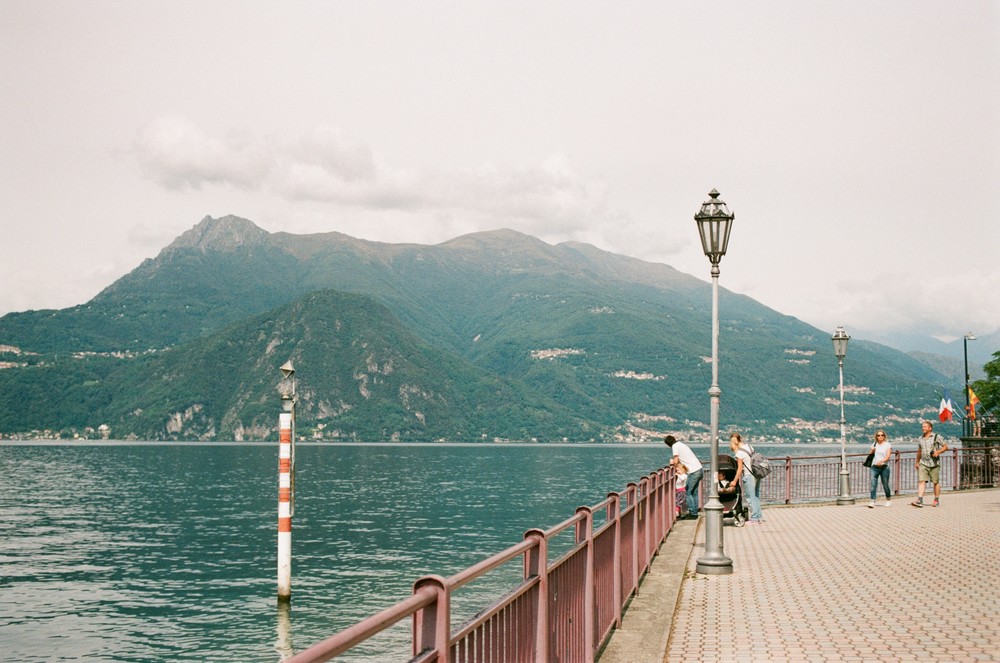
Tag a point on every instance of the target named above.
point(857, 142)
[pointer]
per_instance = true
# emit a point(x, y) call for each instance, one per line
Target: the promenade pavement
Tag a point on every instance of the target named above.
point(827, 583)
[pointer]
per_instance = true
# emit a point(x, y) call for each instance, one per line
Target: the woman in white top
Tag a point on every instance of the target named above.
point(880, 467)
point(748, 482)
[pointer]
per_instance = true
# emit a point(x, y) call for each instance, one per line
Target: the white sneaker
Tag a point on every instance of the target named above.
point(888, 503)
point(871, 505)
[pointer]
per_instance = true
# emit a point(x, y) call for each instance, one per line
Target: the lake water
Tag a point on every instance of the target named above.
point(167, 552)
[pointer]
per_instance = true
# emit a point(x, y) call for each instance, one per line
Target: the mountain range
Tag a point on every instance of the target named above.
point(490, 336)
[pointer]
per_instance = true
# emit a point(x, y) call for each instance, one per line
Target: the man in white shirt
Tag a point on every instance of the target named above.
point(682, 455)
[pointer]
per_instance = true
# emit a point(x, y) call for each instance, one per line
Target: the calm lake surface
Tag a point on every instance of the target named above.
point(167, 552)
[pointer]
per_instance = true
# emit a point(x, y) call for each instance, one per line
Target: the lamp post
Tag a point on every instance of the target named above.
point(969, 336)
point(714, 224)
point(840, 339)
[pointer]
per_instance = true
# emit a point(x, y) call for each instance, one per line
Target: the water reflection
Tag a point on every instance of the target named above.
point(283, 645)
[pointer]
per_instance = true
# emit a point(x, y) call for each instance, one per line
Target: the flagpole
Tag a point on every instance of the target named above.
point(969, 336)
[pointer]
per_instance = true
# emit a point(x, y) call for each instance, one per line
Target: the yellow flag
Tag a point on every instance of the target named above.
point(973, 402)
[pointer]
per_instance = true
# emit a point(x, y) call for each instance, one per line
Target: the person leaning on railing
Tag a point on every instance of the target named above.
point(687, 463)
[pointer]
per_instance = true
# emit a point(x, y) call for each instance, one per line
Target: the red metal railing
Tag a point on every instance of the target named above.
point(816, 478)
point(565, 609)
point(562, 610)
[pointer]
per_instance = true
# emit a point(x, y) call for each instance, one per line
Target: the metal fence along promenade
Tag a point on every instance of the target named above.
point(567, 607)
point(562, 609)
point(814, 478)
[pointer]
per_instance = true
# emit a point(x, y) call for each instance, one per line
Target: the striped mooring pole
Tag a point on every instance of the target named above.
point(286, 484)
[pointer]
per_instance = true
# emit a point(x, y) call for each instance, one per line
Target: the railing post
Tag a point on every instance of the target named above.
point(585, 535)
point(632, 500)
point(671, 499)
point(432, 625)
point(897, 480)
point(955, 476)
point(644, 515)
point(990, 476)
point(652, 515)
point(661, 506)
point(614, 516)
point(788, 479)
point(662, 500)
point(662, 503)
point(536, 564)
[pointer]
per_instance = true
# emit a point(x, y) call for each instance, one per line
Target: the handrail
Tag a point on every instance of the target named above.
point(490, 563)
point(812, 478)
point(563, 526)
point(337, 644)
point(591, 593)
point(565, 609)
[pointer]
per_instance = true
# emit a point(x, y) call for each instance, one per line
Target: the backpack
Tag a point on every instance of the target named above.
point(759, 466)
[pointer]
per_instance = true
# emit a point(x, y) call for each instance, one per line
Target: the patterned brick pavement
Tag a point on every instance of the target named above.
point(849, 583)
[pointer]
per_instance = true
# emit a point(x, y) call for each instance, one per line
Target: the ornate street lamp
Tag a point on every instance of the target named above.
point(714, 224)
point(969, 336)
point(840, 339)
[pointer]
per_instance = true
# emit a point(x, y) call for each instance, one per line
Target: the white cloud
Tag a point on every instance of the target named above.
point(548, 199)
point(328, 149)
point(177, 154)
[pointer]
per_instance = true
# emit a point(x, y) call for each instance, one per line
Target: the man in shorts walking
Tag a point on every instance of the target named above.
point(929, 450)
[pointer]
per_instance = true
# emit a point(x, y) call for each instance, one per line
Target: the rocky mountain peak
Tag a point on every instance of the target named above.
point(223, 234)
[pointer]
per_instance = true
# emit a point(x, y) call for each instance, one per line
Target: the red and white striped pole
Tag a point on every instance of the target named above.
point(285, 507)
point(286, 470)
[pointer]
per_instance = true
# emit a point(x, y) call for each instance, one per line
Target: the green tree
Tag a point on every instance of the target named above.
point(988, 390)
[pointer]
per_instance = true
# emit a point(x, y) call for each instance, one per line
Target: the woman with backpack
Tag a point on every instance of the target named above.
point(748, 482)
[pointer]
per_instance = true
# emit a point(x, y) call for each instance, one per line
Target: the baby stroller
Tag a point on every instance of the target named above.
point(730, 493)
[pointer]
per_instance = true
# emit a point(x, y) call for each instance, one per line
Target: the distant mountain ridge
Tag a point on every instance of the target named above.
point(945, 356)
point(545, 342)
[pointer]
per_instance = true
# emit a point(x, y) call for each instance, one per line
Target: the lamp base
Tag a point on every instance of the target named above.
point(719, 567)
point(714, 561)
point(845, 498)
